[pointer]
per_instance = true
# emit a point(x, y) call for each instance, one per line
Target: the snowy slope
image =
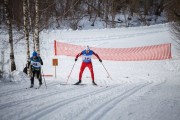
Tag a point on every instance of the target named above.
point(139, 90)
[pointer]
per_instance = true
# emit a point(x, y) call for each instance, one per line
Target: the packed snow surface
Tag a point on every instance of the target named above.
point(138, 90)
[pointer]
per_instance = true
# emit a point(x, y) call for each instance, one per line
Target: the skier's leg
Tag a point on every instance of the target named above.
point(83, 66)
point(80, 73)
point(32, 78)
point(90, 66)
point(38, 73)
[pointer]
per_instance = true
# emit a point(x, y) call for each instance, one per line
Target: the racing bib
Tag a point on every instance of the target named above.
point(86, 58)
point(36, 64)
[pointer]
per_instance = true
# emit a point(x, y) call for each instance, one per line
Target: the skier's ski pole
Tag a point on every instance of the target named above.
point(70, 72)
point(44, 78)
point(106, 70)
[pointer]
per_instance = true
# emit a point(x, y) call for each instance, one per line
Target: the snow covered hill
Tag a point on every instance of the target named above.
point(139, 90)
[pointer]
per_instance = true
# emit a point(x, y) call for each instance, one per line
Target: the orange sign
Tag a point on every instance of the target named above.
point(55, 62)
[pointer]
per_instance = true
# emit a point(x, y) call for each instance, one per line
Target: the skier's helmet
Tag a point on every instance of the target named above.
point(34, 54)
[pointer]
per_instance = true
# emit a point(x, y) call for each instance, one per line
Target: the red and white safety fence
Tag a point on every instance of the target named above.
point(154, 52)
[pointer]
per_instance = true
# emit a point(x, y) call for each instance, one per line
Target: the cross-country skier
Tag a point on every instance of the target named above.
point(86, 62)
point(35, 66)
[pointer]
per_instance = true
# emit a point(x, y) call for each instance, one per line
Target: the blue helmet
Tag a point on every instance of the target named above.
point(34, 54)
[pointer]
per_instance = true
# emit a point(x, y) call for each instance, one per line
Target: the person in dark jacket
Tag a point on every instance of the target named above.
point(35, 66)
point(86, 62)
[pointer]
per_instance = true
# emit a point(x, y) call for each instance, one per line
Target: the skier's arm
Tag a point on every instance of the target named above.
point(78, 56)
point(97, 56)
point(41, 60)
point(28, 63)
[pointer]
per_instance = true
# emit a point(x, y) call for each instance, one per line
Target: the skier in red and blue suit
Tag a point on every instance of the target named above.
point(86, 62)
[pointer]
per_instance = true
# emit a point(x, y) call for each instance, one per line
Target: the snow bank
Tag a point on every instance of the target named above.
point(15, 76)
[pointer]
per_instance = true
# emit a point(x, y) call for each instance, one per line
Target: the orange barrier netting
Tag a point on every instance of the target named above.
point(154, 52)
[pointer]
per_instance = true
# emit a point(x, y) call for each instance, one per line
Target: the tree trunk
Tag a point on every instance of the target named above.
point(57, 20)
point(29, 16)
point(26, 31)
point(36, 30)
point(34, 42)
point(89, 10)
point(113, 13)
point(9, 24)
point(99, 8)
point(160, 8)
point(31, 25)
point(106, 12)
point(1, 13)
point(145, 7)
point(66, 12)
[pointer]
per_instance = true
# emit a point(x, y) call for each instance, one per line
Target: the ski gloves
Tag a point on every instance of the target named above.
point(99, 60)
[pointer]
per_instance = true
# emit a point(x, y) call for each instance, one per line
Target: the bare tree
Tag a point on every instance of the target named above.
point(113, 13)
point(26, 32)
point(1, 12)
point(172, 9)
point(9, 24)
point(133, 6)
point(36, 30)
point(99, 7)
point(159, 8)
point(106, 11)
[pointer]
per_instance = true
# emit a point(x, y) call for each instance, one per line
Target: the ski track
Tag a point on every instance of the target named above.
point(103, 108)
point(11, 92)
point(18, 90)
point(34, 98)
point(52, 107)
point(106, 107)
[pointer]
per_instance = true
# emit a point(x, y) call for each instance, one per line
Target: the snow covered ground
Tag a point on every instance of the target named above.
point(139, 90)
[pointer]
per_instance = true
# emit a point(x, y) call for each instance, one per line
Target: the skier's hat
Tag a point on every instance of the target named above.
point(34, 54)
point(87, 48)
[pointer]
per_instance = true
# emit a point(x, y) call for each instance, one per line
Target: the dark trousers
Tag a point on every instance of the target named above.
point(38, 74)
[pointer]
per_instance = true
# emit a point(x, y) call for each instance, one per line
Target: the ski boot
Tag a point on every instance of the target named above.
point(31, 86)
point(40, 84)
point(78, 82)
point(94, 83)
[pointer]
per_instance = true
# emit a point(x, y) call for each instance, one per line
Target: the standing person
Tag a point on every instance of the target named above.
point(35, 66)
point(86, 62)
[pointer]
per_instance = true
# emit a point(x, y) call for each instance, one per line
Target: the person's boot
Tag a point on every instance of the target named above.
point(32, 82)
point(94, 83)
point(31, 86)
point(78, 82)
point(40, 82)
